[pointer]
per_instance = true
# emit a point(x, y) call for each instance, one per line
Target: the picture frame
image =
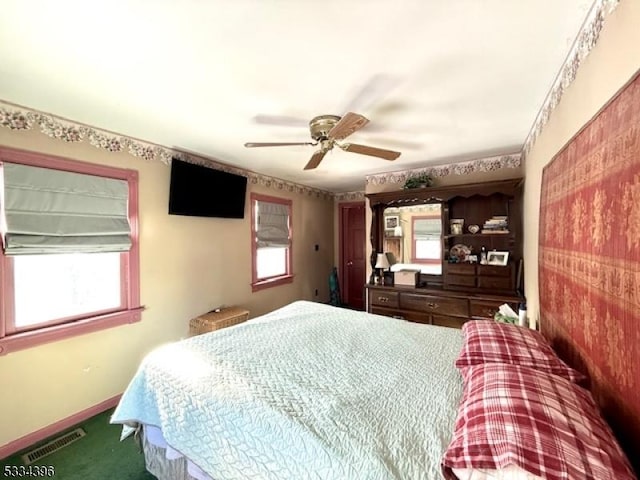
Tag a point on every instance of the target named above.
point(497, 258)
point(391, 222)
point(456, 226)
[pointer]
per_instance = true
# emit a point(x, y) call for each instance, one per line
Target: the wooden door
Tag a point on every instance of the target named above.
point(353, 262)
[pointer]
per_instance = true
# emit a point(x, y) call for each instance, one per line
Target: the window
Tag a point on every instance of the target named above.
point(69, 263)
point(270, 241)
point(426, 242)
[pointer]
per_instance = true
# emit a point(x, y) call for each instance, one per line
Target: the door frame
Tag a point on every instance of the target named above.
point(342, 207)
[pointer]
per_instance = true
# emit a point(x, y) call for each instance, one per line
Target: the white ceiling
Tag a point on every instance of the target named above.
point(440, 80)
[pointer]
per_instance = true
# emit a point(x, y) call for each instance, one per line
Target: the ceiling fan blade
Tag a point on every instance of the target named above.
point(372, 92)
point(394, 142)
point(373, 151)
point(282, 120)
point(316, 158)
point(276, 144)
point(350, 123)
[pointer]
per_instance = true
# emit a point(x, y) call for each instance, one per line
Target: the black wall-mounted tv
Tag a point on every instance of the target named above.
point(204, 192)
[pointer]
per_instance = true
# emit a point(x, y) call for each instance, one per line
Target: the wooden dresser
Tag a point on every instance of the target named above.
point(488, 217)
point(434, 306)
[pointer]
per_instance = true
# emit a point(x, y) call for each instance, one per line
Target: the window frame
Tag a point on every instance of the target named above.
point(424, 261)
point(268, 282)
point(129, 312)
point(10, 321)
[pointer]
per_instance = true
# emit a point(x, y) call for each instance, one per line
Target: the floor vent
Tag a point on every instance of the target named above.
point(52, 446)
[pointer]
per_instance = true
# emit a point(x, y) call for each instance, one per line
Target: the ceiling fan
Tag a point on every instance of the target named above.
point(327, 131)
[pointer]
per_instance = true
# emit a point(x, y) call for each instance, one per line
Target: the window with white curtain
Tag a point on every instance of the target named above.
point(271, 241)
point(69, 260)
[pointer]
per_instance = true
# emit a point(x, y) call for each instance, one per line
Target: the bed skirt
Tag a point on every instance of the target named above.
point(164, 462)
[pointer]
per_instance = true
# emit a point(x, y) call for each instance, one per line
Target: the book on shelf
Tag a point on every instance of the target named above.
point(496, 224)
point(494, 231)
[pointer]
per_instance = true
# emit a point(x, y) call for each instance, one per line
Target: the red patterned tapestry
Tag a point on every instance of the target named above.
point(590, 259)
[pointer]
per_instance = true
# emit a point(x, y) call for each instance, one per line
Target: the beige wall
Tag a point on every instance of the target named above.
point(188, 266)
point(609, 66)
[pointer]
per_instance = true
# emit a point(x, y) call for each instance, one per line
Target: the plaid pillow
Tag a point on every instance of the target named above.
point(541, 423)
point(487, 341)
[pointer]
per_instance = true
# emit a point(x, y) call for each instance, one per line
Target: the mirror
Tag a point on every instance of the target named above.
point(413, 237)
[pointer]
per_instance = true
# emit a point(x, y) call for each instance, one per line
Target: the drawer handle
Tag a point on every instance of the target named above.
point(432, 305)
point(383, 299)
point(489, 312)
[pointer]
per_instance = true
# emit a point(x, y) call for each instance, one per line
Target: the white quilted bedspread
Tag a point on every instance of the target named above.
point(308, 391)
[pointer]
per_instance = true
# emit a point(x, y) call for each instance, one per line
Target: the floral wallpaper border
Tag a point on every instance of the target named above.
point(488, 164)
point(349, 196)
point(586, 40)
point(17, 117)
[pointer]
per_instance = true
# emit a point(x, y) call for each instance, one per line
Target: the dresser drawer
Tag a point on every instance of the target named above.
point(416, 317)
point(451, 322)
point(483, 308)
point(492, 271)
point(383, 298)
point(402, 314)
point(387, 312)
point(460, 268)
point(462, 280)
point(495, 283)
point(432, 304)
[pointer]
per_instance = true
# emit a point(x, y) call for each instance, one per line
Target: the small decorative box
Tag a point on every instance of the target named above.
point(217, 319)
point(409, 278)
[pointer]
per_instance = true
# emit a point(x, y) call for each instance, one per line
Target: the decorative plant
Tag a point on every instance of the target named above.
point(421, 180)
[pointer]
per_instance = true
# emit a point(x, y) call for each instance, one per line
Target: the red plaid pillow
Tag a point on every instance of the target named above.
point(486, 341)
point(543, 424)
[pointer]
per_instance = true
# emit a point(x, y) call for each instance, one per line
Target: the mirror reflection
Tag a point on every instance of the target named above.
point(412, 238)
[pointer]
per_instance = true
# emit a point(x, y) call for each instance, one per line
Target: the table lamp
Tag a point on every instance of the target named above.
point(382, 263)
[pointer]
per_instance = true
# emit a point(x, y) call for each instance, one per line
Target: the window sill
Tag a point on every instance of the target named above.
point(20, 341)
point(271, 282)
point(427, 261)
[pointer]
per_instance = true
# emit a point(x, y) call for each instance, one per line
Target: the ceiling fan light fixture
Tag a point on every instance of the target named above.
point(327, 130)
point(321, 125)
point(326, 145)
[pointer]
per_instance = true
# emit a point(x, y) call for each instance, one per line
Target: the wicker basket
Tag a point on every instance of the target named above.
point(216, 320)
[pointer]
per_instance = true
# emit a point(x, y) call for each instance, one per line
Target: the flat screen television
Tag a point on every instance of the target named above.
point(204, 192)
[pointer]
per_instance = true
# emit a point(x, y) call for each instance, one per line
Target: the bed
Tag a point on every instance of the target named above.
point(307, 391)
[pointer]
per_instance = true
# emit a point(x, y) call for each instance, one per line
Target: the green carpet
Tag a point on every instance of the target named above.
point(99, 455)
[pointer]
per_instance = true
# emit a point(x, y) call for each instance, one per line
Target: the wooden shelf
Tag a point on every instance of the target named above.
point(480, 235)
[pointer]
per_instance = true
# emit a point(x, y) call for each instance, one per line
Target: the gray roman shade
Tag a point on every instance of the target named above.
point(272, 228)
point(52, 211)
point(427, 228)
